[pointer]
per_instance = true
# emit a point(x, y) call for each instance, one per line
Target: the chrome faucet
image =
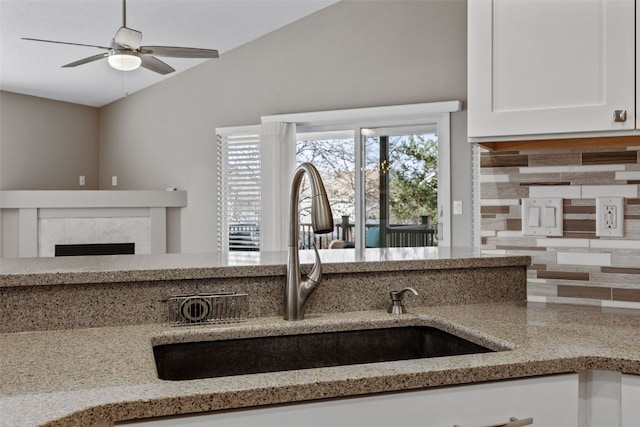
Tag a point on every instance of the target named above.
point(298, 291)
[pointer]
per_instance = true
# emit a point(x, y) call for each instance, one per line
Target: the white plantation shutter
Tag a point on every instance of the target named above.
point(239, 201)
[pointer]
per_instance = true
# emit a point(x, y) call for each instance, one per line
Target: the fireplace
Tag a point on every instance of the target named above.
point(90, 222)
point(93, 233)
point(95, 249)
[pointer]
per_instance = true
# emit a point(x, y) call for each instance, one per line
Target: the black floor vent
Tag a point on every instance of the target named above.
point(96, 249)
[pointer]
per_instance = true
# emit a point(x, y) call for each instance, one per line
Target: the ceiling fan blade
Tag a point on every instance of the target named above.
point(128, 38)
point(155, 65)
point(179, 52)
point(86, 60)
point(73, 44)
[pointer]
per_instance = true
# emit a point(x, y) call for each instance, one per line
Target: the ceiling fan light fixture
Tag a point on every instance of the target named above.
point(124, 60)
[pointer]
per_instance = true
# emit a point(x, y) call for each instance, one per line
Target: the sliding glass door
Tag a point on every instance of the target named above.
point(401, 186)
point(383, 190)
point(333, 154)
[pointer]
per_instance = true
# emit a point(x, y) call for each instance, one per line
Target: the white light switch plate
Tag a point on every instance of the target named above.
point(542, 216)
point(610, 216)
point(457, 207)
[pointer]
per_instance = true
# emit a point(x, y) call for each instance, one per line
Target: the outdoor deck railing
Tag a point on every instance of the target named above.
point(246, 237)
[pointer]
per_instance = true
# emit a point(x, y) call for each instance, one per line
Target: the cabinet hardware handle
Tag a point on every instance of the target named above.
point(513, 422)
point(620, 116)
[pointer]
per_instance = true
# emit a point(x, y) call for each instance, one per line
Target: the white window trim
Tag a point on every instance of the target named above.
point(394, 115)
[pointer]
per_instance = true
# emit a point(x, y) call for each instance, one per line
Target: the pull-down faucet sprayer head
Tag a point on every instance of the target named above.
point(321, 217)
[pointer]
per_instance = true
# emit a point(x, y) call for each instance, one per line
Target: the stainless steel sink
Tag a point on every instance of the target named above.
point(208, 359)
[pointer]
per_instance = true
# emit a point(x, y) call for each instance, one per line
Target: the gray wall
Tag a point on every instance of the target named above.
point(352, 54)
point(46, 145)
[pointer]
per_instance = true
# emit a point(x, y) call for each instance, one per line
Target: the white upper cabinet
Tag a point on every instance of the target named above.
point(542, 67)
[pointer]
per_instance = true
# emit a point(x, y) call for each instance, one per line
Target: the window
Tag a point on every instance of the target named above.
point(359, 121)
point(400, 185)
point(239, 207)
point(267, 156)
point(333, 154)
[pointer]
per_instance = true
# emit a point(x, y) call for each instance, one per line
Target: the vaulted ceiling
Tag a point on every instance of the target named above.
point(35, 68)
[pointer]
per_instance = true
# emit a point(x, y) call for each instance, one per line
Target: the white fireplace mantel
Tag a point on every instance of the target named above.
point(91, 199)
point(29, 220)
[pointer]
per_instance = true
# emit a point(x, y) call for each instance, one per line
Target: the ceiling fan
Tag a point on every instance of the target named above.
point(126, 52)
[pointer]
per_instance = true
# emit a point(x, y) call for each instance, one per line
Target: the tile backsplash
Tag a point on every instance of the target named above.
point(579, 267)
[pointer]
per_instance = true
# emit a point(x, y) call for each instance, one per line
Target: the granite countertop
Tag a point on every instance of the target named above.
point(84, 376)
point(22, 272)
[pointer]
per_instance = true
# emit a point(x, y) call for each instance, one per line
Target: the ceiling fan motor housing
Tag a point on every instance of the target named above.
point(124, 60)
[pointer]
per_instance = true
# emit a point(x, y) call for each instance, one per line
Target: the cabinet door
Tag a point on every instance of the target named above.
point(548, 67)
point(599, 399)
point(550, 401)
point(630, 401)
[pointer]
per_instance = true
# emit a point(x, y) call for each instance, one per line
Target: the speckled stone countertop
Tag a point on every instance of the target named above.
point(85, 376)
point(21, 272)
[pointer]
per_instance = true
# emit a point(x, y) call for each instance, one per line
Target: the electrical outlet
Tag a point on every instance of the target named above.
point(610, 216)
point(114, 181)
point(81, 181)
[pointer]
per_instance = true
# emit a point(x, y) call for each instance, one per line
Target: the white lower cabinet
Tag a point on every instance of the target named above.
point(630, 414)
point(600, 395)
point(551, 401)
point(609, 399)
